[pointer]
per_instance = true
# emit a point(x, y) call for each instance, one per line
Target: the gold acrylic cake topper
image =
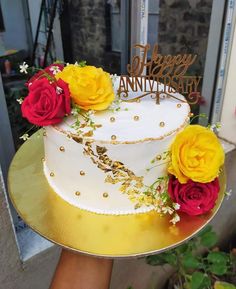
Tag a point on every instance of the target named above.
point(166, 69)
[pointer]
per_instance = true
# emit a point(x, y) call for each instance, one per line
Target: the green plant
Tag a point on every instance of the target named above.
point(194, 270)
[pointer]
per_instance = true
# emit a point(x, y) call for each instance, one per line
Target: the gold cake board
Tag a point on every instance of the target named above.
point(94, 234)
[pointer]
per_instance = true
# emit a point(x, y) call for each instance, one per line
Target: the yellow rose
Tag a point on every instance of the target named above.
point(90, 87)
point(196, 154)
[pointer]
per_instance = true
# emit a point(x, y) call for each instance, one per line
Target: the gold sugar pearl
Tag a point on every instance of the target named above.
point(105, 195)
point(191, 114)
point(179, 105)
point(43, 159)
point(44, 133)
point(82, 173)
point(158, 157)
point(162, 124)
point(62, 149)
point(77, 193)
point(113, 137)
point(159, 188)
point(52, 174)
point(136, 117)
point(138, 100)
point(112, 119)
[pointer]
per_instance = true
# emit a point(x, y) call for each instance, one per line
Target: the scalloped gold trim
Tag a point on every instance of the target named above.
point(81, 139)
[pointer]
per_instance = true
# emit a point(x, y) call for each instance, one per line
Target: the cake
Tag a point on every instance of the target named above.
point(113, 155)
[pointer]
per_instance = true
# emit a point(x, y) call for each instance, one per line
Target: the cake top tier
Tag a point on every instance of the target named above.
point(130, 122)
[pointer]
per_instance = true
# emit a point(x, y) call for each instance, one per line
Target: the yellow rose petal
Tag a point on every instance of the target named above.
point(90, 87)
point(196, 154)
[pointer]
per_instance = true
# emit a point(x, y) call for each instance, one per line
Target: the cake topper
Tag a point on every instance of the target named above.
point(146, 75)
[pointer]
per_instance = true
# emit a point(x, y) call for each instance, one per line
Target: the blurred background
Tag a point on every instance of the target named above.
point(102, 32)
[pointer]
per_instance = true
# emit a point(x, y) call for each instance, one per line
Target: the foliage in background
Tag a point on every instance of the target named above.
point(194, 270)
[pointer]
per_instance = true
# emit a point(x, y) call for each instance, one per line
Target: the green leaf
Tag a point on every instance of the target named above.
point(218, 262)
point(207, 229)
point(217, 257)
point(161, 259)
point(200, 281)
point(82, 63)
point(190, 262)
point(218, 269)
point(183, 248)
point(209, 239)
point(170, 258)
point(156, 260)
point(223, 285)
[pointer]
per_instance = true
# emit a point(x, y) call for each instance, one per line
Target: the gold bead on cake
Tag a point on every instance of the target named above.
point(77, 193)
point(112, 119)
point(158, 157)
point(191, 114)
point(136, 117)
point(113, 137)
point(162, 124)
point(44, 133)
point(62, 149)
point(43, 159)
point(105, 195)
point(82, 173)
point(179, 105)
point(52, 174)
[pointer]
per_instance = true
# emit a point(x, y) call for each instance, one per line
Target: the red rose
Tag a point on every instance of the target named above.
point(47, 103)
point(194, 198)
point(50, 71)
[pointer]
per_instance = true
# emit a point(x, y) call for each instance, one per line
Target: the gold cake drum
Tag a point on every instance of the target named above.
point(94, 234)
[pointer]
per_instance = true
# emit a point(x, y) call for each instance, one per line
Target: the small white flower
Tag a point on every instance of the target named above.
point(176, 206)
point(54, 69)
point(90, 112)
point(212, 127)
point(168, 210)
point(175, 220)
point(76, 63)
point(24, 137)
point(20, 100)
point(23, 67)
point(113, 77)
point(228, 194)
point(74, 112)
point(215, 127)
point(59, 90)
point(67, 63)
point(158, 209)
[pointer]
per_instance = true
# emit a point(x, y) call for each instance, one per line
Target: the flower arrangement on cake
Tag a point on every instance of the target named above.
point(192, 163)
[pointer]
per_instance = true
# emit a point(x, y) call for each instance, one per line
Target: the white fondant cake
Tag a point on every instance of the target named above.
point(98, 173)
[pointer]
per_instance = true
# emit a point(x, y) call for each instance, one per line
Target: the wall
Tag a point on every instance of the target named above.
point(90, 34)
point(15, 36)
point(35, 273)
point(184, 27)
point(228, 116)
point(34, 9)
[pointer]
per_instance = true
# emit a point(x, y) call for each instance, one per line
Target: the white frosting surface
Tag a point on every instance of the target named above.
point(150, 114)
point(137, 143)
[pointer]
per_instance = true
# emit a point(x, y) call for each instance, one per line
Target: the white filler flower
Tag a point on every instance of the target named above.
point(55, 69)
point(25, 136)
point(23, 67)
